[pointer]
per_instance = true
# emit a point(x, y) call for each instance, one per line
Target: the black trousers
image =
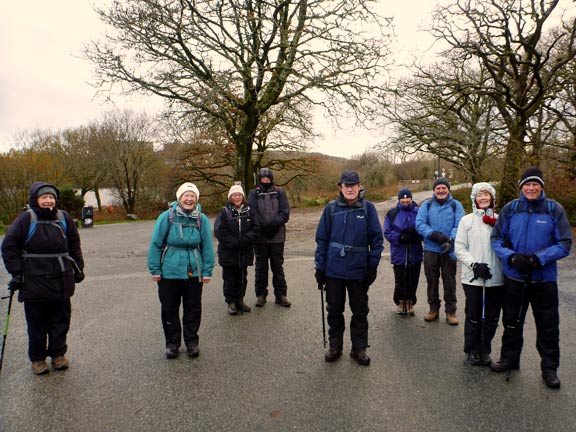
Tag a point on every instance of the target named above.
point(335, 303)
point(406, 279)
point(172, 293)
point(48, 324)
point(273, 252)
point(543, 297)
point(234, 283)
point(478, 332)
point(436, 265)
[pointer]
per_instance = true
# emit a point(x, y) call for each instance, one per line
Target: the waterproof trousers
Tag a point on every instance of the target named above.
point(172, 293)
point(543, 297)
point(436, 265)
point(482, 315)
point(48, 324)
point(273, 253)
point(234, 283)
point(406, 282)
point(335, 303)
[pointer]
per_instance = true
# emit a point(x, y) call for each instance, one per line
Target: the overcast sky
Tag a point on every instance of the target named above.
point(44, 83)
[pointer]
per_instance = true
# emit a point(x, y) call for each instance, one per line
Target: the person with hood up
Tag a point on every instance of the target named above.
point(530, 236)
point(349, 244)
point(405, 250)
point(273, 211)
point(437, 222)
point(481, 273)
point(42, 252)
point(181, 260)
point(236, 228)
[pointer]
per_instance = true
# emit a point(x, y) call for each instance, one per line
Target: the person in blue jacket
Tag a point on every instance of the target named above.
point(531, 234)
point(405, 250)
point(349, 244)
point(181, 260)
point(437, 222)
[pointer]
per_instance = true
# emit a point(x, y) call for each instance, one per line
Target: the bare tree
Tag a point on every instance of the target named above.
point(231, 62)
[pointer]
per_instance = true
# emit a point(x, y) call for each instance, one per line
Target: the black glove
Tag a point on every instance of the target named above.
point(439, 237)
point(370, 275)
point(482, 271)
point(271, 228)
point(523, 263)
point(409, 235)
point(320, 278)
point(16, 282)
point(447, 246)
point(244, 243)
point(79, 276)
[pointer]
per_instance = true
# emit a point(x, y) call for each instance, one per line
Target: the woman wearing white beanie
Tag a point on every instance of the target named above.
point(182, 234)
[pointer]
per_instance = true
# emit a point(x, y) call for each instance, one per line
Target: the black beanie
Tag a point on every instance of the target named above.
point(404, 193)
point(531, 174)
point(443, 181)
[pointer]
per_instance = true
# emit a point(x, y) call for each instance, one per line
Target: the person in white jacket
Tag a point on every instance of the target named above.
point(481, 272)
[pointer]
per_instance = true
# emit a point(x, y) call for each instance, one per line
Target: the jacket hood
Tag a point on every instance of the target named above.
point(477, 187)
point(34, 188)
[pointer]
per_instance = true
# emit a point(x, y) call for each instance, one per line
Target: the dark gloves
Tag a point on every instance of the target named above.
point(447, 246)
point(79, 276)
point(439, 237)
point(16, 282)
point(244, 243)
point(481, 271)
point(320, 278)
point(409, 235)
point(524, 263)
point(370, 275)
point(270, 229)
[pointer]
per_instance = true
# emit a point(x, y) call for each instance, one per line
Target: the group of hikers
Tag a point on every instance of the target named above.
point(508, 262)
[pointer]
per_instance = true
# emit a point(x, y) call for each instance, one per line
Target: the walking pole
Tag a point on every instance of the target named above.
point(405, 306)
point(321, 288)
point(11, 296)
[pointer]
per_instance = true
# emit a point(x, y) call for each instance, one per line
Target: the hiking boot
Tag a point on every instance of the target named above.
point(192, 350)
point(360, 356)
point(283, 301)
point(40, 367)
point(551, 379)
point(60, 363)
point(473, 359)
point(332, 355)
point(232, 309)
point(401, 309)
point(503, 365)
point(432, 315)
point(242, 307)
point(485, 360)
point(451, 319)
point(411, 308)
point(260, 301)
point(172, 351)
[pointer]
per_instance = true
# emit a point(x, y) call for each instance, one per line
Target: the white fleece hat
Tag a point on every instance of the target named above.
point(187, 187)
point(235, 189)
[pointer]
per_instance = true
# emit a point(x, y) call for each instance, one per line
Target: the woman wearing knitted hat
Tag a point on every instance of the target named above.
point(236, 229)
point(181, 260)
point(481, 275)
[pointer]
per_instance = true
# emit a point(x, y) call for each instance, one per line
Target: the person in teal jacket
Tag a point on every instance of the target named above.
point(181, 260)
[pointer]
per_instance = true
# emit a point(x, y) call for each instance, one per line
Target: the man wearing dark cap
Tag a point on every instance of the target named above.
point(348, 249)
point(437, 223)
point(530, 235)
point(273, 211)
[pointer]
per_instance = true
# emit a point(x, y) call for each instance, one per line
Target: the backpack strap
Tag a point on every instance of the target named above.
point(60, 222)
point(392, 213)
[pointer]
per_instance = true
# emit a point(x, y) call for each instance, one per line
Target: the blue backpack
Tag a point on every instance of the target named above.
point(60, 222)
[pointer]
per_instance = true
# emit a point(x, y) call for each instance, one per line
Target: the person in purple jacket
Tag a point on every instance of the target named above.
point(406, 252)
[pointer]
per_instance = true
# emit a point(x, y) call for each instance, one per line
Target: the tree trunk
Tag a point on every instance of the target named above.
point(512, 165)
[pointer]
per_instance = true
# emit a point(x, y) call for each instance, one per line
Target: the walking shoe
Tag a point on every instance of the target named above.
point(40, 367)
point(283, 301)
point(192, 350)
point(232, 309)
point(411, 308)
point(432, 315)
point(400, 310)
point(242, 307)
point(60, 363)
point(451, 319)
point(332, 355)
point(485, 359)
point(360, 356)
point(172, 351)
point(551, 379)
point(503, 365)
point(260, 301)
point(473, 359)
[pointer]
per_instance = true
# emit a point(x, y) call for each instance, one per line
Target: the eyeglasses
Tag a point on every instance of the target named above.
point(349, 185)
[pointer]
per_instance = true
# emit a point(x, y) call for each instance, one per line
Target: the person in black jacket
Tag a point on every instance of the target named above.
point(273, 211)
point(41, 250)
point(236, 229)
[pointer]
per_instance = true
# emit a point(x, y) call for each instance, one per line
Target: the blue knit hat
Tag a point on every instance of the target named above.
point(404, 193)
